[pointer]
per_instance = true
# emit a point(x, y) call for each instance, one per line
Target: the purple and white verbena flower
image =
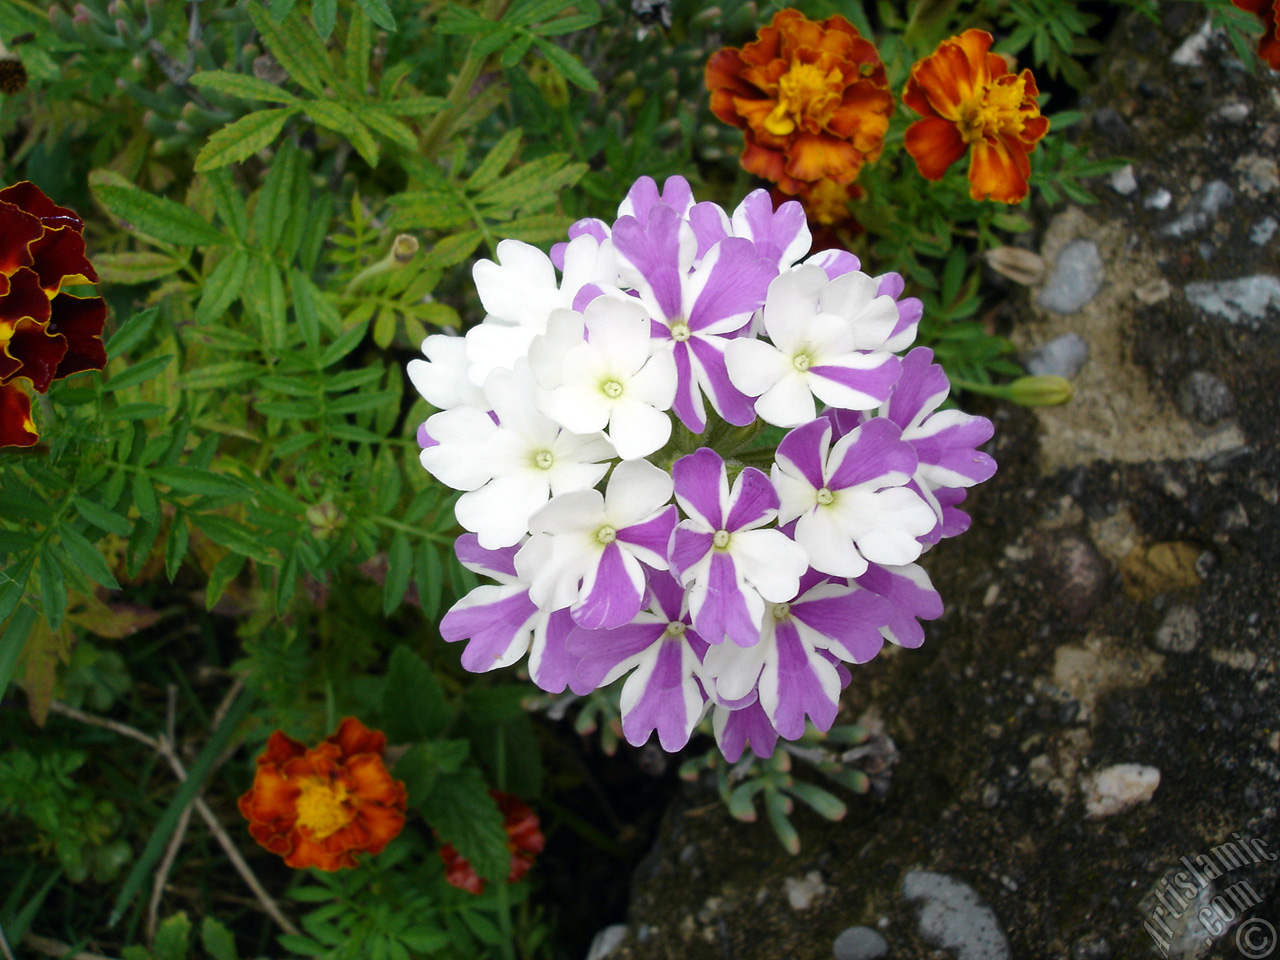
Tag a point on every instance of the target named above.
point(607, 431)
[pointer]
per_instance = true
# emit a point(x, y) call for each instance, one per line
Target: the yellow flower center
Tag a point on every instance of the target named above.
point(804, 91)
point(323, 809)
point(994, 110)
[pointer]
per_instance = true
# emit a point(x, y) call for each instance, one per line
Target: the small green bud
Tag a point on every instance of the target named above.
point(1046, 390)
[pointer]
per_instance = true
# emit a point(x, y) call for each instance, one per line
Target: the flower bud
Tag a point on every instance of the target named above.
point(405, 248)
point(1046, 390)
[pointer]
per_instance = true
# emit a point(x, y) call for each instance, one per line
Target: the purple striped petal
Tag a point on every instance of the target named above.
point(728, 286)
point(550, 663)
point(499, 564)
point(725, 611)
point(746, 726)
point(846, 619)
point(801, 683)
point(873, 453)
point(805, 448)
point(920, 390)
point(710, 225)
point(753, 501)
point(652, 535)
point(876, 382)
point(780, 236)
point(687, 549)
point(911, 597)
point(688, 401)
point(835, 262)
point(732, 404)
point(612, 593)
point(665, 697)
point(424, 439)
point(952, 451)
point(602, 652)
point(701, 486)
point(497, 621)
point(668, 596)
point(652, 247)
point(643, 196)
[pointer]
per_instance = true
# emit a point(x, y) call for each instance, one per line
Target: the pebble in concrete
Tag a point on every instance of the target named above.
point(1203, 211)
point(1123, 181)
point(1204, 398)
point(860, 943)
point(953, 917)
point(1076, 278)
point(1062, 356)
point(1179, 631)
point(1243, 300)
point(1263, 230)
point(1119, 787)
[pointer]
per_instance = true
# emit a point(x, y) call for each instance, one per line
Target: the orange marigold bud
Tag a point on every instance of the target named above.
point(524, 840)
point(1269, 12)
point(972, 104)
point(811, 99)
point(45, 333)
point(320, 807)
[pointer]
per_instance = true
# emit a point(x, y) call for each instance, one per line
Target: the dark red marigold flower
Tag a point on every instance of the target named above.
point(320, 807)
point(45, 333)
point(524, 840)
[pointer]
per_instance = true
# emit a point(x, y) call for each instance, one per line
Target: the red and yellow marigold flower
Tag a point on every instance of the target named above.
point(811, 99)
point(524, 840)
point(973, 104)
point(1269, 12)
point(45, 333)
point(320, 807)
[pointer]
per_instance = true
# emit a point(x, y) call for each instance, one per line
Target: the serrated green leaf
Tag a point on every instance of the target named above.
point(567, 65)
point(203, 483)
point(461, 811)
point(136, 267)
point(175, 547)
point(295, 46)
point(87, 558)
point(156, 216)
point(53, 589)
point(456, 248)
point(217, 940)
point(399, 572)
point(428, 210)
point(379, 13)
point(336, 117)
point(214, 376)
point(358, 49)
point(12, 639)
point(290, 410)
point(264, 301)
point(346, 342)
point(171, 938)
point(536, 230)
point(428, 576)
point(241, 85)
point(222, 287)
point(324, 13)
point(144, 498)
point(496, 160)
point(530, 182)
point(300, 944)
point(137, 373)
point(243, 138)
point(413, 704)
point(99, 516)
point(389, 127)
point(414, 106)
point(234, 537)
point(131, 332)
point(273, 202)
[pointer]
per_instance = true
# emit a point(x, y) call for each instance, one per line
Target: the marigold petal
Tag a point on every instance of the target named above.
point(353, 737)
point(59, 258)
point(765, 163)
point(273, 798)
point(281, 748)
point(368, 778)
point(27, 196)
point(24, 298)
point(935, 144)
point(36, 351)
point(822, 157)
point(80, 320)
point(18, 228)
point(944, 80)
point(998, 171)
point(17, 428)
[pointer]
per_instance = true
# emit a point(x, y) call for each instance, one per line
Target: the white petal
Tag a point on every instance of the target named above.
point(637, 429)
point(637, 489)
point(770, 561)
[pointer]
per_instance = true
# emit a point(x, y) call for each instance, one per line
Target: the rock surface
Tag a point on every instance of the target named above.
point(1117, 600)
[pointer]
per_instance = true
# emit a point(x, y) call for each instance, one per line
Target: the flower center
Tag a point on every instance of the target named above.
point(781, 611)
point(804, 91)
point(721, 539)
point(675, 630)
point(680, 331)
point(801, 361)
point(995, 110)
point(323, 808)
point(606, 534)
point(543, 459)
point(825, 496)
point(611, 389)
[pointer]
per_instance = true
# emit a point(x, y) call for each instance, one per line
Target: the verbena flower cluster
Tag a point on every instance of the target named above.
point(696, 458)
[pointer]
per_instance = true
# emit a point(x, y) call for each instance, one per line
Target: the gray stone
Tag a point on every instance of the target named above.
point(1123, 181)
point(1203, 209)
point(952, 916)
point(1179, 631)
point(1076, 278)
point(1158, 200)
point(860, 943)
point(604, 942)
point(1062, 356)
point(1204, 398)
point(1263, 230)
point(1243, 300)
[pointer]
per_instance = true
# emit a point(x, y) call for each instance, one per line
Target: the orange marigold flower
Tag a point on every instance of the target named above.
point(811, 99)
point(1269, 12)
point(524, 840)
point(320, 807)
point(972, 104)
point(45, 333)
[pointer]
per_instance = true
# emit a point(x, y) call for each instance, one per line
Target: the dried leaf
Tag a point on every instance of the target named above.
point(1021, 266)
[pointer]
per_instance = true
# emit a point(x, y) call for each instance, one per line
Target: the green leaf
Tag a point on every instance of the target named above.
point(358, 49)
point(532, 182)
point(324, 13)
point(144, 498)
point(175, 547)
point(413, 705)
point(428, 576)
point(222, 286)
point(243, 138)
point(399, 572)
point(264, 301)
point(272, 210)
point(203, 483)
point(414, 106)
point(567, 64)
point(234, 537)
point(131, 332)
point(496, 160)
point(138, 373)
point(389, 127)
point(53, 589)
point(12, 639)
point(220, 577)
point(217, 940)
point(461, 811)
point(137, 267)
point(171, 938)
point(456, 248)
point(336, 117)
point(348, 341)
point(156, 216)
point(241, 85)
point(108, 520)
point(12, 583)
point(379, 13)
point(87, 558)
point(428, 210)
point(295, 46)
point(215, 376)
